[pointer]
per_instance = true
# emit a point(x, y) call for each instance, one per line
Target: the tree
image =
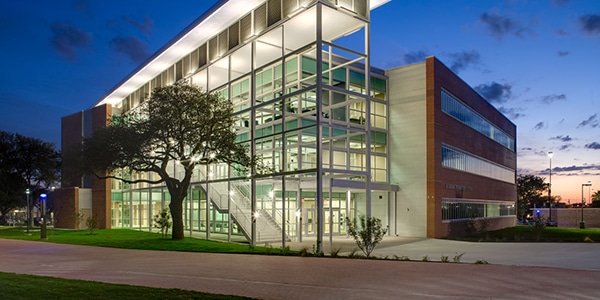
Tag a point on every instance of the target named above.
point(368, 235)
point(596, 199)
point(529, 193)
point(25, 163)
point(179, 124)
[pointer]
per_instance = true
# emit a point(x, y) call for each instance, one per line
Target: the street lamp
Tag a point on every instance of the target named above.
point(43, 228)
point(27, 192)
point(582, 223)
point(550, 154)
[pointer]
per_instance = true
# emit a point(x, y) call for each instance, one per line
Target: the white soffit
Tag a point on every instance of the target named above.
point(202, 29)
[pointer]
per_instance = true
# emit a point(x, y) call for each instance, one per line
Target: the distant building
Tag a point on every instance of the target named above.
point(414, 146)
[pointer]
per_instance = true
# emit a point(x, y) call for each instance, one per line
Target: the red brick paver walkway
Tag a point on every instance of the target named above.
point(279, 277)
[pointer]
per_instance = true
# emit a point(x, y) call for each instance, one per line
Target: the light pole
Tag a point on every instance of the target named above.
point(550, 154)
point(582, 223)
point(27, 192)
point(43, 228)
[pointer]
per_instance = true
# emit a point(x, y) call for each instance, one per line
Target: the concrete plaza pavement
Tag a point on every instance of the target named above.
point(582, 256)
point(549, 274)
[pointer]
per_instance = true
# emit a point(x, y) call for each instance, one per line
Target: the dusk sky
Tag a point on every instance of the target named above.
point(536, 61)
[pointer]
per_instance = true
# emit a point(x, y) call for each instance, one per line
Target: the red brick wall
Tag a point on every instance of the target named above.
point(66, 203)
point(101, 198)
point(444, 129)
point(68, 200)
point(71, 127)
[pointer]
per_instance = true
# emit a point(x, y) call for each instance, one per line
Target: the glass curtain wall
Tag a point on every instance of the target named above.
point(308, 106)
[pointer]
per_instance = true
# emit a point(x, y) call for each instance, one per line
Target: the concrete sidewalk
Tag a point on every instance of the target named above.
point(582, 256)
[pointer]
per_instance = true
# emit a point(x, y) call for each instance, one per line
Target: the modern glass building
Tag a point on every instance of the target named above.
point(413, 146)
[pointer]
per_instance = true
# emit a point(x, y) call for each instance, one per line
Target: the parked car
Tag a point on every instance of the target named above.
point(37, 221)
point(6, 220)
point(530, 221)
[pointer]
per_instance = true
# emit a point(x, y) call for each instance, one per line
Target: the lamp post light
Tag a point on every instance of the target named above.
point(27, 192)
point(582, 223)
point(43, 225)
point(550, 154)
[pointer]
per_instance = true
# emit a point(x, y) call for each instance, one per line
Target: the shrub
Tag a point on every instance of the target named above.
point(478, 227)
point(304, 251)
point(538, 226)
point(335, 252)
point(368, 236)
point(163, 222)
point(457, 257)
point(91, 224)
point(402, 258)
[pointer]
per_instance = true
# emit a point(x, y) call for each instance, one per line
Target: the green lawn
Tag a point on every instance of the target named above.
point(17, 286)
point(133, 239)
point(549, 234)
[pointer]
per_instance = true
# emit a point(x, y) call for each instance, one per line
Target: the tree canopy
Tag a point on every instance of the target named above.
point(25, 163)
point(530, 190)
point(179, 124)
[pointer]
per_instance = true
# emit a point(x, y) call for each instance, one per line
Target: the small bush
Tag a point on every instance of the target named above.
point(304, 251)
point(91, 224)
point(268, 248)
point(481, 262)
point(444, 259)
point(538, 227)
point(368, 236)
point(457, 258)
point(163, 222)
point(335, 252)
point(478, 227)
point(354, 254)
point(402, 258)
point(78, 216)
point(425, 258)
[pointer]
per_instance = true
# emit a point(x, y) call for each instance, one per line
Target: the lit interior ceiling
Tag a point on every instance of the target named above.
point(191, 38)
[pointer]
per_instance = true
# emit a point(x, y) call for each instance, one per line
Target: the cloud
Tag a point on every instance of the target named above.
point(564, 147)
point(592, 121)
point(131, 47)
point(552, 98)
point(66, 38)
point(461, 60)
point(512, 113)
point(562, 138)
point(539, 126)
point(563, 53)
point(495, 92)
point(576, 168)
point(500, 26)
point(144, 27)
point(415, 56)
point(593, 146)
point(590, 23)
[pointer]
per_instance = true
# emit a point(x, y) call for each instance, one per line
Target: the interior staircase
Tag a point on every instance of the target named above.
point(240, 210)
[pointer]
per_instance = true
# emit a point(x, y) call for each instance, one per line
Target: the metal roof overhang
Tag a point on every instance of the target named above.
point(216, 19)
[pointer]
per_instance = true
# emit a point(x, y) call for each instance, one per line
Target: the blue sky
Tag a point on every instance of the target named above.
point(536, 61)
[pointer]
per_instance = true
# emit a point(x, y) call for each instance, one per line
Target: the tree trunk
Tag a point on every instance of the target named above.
point(176, 207)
